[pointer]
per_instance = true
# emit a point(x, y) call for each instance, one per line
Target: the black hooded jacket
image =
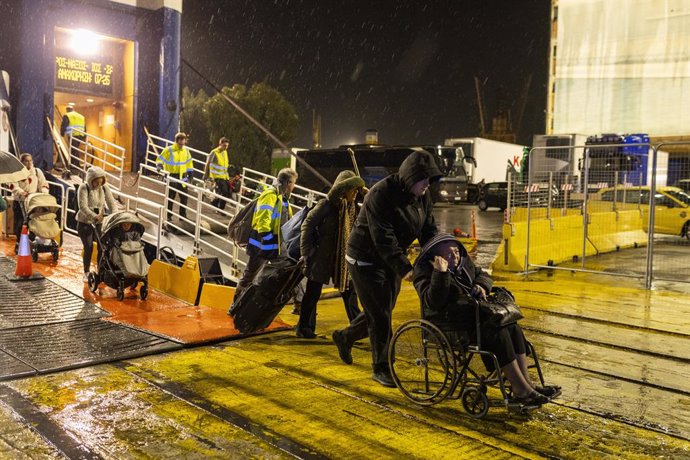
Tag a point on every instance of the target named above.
point(445, 296)
point(392, 218)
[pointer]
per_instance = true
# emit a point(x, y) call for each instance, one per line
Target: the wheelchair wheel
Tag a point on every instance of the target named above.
point(475, 402)
point(422, 362)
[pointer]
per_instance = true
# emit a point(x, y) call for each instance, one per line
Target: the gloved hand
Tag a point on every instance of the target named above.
point(159, 168)
point(189, 174)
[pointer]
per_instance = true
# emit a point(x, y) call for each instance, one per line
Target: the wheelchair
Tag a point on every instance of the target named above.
point(430, 364)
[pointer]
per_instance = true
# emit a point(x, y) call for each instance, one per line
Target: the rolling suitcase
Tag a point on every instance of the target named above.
point(260, 303)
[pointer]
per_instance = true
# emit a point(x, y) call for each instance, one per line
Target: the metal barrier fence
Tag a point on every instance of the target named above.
point(88, 150)
point(590, 211)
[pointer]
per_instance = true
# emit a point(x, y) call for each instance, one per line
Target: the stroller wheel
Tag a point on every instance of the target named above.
point(56, 254)
point(120, 293)
point(92, 280)
point(34, 255)
point(144, 292)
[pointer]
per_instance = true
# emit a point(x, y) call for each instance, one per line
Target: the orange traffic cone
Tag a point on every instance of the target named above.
point(474, 225)
point(24, 269)
point(24, 264)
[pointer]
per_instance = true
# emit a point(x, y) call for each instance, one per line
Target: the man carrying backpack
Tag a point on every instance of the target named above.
point(272, 211)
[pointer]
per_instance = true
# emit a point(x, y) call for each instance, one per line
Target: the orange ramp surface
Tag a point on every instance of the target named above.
point(158, 314)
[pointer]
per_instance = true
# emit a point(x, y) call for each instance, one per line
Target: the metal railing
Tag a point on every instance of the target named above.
point(87, 150)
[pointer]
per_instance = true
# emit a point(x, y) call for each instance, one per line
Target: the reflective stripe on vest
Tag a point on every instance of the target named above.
point(76, 121)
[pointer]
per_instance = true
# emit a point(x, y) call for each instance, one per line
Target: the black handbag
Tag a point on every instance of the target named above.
point(499, 308)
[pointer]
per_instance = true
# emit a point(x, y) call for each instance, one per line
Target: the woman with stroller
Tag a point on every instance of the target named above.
point(93, 197)
point(446, 280)
point(35, 183)
point(325, 231)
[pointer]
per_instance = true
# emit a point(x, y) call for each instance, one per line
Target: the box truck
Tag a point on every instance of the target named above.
point(486, 160)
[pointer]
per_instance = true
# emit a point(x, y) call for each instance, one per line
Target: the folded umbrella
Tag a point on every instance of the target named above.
point(11, 169)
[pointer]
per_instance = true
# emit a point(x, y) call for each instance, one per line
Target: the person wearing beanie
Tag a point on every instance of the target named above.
point(323, 242)
point(396, 211)
point(93, 197)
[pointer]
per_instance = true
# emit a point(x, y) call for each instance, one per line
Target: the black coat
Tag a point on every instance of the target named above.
point(391, 217)
point(319, 240)
point(445, 296)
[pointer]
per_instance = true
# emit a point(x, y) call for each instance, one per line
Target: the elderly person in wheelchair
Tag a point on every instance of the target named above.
point(449, 285)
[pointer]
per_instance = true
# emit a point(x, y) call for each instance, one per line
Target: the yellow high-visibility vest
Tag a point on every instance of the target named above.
point(76, 121)
point(218, 167)
point(175, 160)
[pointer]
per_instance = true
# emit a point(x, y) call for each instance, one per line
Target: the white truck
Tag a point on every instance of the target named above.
point(492, 160)
point(486, 160)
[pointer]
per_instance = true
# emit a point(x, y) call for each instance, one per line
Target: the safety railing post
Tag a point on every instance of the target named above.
point(650, 225)
point(585, 217)
point(166, 198)
point(529, 218)
point(197, 221)
point(550, 196)
point(159, 230)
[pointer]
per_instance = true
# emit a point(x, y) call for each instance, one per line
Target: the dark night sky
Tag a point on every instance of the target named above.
point(403, 67)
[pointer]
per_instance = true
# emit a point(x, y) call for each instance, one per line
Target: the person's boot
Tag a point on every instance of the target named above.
point(383, 376)
point(344, 348)
point(305, 333)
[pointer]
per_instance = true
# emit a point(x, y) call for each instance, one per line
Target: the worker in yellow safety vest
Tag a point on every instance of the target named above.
point(217, 169)
point(73, 128)
point(272, 211)
point(177, 162)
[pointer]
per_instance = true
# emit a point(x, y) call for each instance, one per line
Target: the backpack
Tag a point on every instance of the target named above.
point(240, 226)
point(291, 232)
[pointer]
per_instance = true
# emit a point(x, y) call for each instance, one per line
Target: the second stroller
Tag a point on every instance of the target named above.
point(41, 210)
point(122, 263)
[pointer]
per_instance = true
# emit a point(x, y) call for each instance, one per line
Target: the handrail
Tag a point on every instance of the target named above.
point(87, 144)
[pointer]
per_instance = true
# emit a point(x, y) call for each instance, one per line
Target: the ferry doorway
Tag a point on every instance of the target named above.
point(95, 75)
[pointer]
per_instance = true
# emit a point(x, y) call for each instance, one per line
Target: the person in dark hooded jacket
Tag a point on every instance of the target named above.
point(447, 282)
point(396, 211)
point(323, 241)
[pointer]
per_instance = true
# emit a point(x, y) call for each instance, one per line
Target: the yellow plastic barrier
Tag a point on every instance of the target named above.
point(180, 282)
point(552, 241)
point(611, 231)
point(216, 296)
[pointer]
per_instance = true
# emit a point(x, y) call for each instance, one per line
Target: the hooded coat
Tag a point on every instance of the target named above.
point(445, 296)
point(90, 199)
point(319, 237)
point(392, 217)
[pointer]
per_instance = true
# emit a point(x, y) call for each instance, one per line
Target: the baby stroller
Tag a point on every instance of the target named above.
point(123, 262)
point(41, 211)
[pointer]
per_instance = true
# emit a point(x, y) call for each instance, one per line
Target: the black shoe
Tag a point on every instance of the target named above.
point(296, 308)
point(534, 399)
point(384, 378)
point(305, 333)
point(550, 391)
point(344, 348)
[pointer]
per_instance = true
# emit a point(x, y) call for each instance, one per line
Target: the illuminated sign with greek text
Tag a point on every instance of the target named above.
point(93, 75)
